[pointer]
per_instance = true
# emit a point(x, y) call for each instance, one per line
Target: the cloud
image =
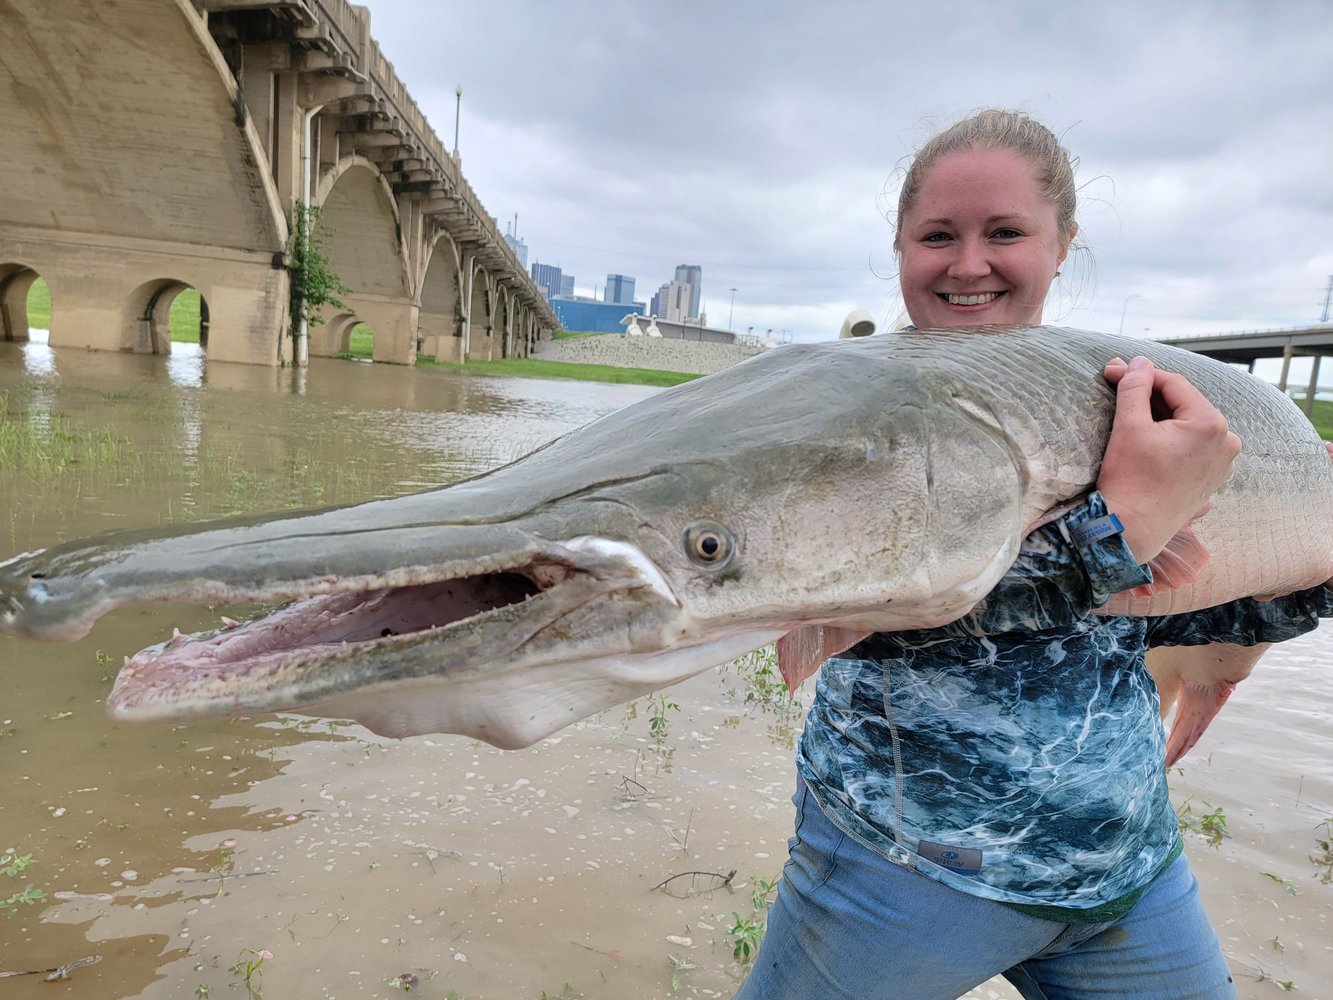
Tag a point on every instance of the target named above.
point(763, 140)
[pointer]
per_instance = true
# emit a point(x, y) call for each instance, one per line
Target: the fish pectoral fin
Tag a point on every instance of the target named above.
point(1178, 564)
point(1198, 706)
point(802, 650)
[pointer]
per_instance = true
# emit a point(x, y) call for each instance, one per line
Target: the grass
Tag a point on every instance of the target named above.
point(1322, 418)
point(538, 368)
point(359, 348)
point(183, 317)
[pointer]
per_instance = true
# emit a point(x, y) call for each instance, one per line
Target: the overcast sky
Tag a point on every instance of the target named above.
point(765, 142)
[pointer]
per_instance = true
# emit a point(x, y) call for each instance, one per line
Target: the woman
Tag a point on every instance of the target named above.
point(989, 797)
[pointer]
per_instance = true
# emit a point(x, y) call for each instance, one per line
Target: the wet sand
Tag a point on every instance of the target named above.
point(179, 853)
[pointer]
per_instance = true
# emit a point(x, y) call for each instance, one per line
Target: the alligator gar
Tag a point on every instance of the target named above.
point(858, 485)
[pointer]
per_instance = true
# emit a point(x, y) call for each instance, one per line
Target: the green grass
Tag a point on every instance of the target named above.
point(574, 334)
point(537, 368)
point(361, 342)
point(39, 305)
point(1322, 418)
point(184, 315)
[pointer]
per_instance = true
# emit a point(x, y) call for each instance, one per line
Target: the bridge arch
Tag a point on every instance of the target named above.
point(364, 245)
point(441, 301)
point(149, 309)
point(481, 314)
point(16, 281)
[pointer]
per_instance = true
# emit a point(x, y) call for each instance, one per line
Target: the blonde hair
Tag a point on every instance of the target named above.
point(995, 128)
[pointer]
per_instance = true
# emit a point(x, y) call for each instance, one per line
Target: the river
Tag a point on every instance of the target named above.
point(186, 856)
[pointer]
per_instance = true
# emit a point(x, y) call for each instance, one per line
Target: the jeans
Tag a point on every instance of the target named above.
point(848, 923)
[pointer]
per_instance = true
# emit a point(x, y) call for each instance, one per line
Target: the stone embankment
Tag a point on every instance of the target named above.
point(659, 353)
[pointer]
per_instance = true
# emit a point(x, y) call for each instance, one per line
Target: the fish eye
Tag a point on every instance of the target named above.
point(709, 544)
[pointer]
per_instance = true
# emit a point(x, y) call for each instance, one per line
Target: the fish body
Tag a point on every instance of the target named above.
point(860, 485)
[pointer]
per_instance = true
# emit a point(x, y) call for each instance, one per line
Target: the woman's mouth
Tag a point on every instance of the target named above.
point(976, 299)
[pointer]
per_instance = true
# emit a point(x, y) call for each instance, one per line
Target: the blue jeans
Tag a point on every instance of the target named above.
point(848, 923)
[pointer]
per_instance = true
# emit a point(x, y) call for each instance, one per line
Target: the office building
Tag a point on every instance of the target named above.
point(692, 275)
point(619, 289)
point(548, 278)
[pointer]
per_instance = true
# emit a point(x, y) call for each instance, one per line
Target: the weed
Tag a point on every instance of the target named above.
point(745, 936)
point(657, 722)
point(1286, 883)
point(679, 964)
point(1212, 826)
point(762, 892)
point(1324, 859)
point(568, 993)
point(13, 865)
point(249, 965)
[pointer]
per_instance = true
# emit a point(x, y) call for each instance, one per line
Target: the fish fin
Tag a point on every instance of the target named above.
point(1179, 563)
point(1199, 705)
point(1199, 679)
point(802, 650)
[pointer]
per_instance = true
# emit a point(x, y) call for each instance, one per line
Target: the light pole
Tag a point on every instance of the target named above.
point(731, 311)
point(458, 108)
point(1123, 308)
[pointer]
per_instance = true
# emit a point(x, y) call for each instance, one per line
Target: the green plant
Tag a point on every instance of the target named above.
point(1212, 826)
point(657, 722)
point(314, 283)
point(13, 865)
point(249, 965)
point(761, 892)
point(1324, 859)
point(745, 936)
point(679, 964)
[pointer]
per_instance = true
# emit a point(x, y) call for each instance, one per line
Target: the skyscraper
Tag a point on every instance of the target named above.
point(693, 276)
point(619, 289)
point(548, 279)
point(519, 247)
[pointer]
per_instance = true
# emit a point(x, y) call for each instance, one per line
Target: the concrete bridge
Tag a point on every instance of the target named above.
point(155, 145)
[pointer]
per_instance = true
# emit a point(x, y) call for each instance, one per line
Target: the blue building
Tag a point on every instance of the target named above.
point(582, 315)
point(548, 278)
point(619, 289)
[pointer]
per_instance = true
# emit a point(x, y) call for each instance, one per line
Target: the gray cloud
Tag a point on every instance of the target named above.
point(762, 140)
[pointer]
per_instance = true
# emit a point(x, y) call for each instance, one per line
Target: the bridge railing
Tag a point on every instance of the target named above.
point(350, 28)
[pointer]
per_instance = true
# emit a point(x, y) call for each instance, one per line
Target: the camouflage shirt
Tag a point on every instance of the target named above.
point(1017, 754)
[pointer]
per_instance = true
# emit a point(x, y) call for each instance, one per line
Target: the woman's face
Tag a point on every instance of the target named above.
point(979, 245)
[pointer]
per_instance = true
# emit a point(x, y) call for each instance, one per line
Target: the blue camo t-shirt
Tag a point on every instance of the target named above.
point(1017, 754)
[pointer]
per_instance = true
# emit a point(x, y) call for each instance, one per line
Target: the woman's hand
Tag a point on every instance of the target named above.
point(1169, 451)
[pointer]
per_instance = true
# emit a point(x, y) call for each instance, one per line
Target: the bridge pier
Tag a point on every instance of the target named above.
point(123, 192)
point(112, 293)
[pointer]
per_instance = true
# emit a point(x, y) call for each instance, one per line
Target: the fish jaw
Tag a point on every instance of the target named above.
point(506, 657)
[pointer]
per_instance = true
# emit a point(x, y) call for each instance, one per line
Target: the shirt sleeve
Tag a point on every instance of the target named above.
point(1055, 582)
point(1245, 622)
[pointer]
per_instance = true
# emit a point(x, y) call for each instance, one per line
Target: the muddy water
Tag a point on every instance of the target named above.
point(180, 854)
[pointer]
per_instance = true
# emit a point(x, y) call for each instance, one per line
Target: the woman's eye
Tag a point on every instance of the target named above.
point(936, 238)
point(1007, 234)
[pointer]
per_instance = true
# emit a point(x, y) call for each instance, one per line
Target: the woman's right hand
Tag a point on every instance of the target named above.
point(1169, 451)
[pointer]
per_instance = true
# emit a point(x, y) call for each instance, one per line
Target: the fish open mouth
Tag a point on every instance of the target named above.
point(297, 652)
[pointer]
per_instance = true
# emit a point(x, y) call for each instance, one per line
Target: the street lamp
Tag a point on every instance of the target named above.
point(1123, 308)
point(458, 108)
point(732, 309)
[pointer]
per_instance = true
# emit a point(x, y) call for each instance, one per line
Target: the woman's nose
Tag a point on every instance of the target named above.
point(970, 260)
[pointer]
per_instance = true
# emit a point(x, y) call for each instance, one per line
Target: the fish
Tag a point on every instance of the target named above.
point(811, 493)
